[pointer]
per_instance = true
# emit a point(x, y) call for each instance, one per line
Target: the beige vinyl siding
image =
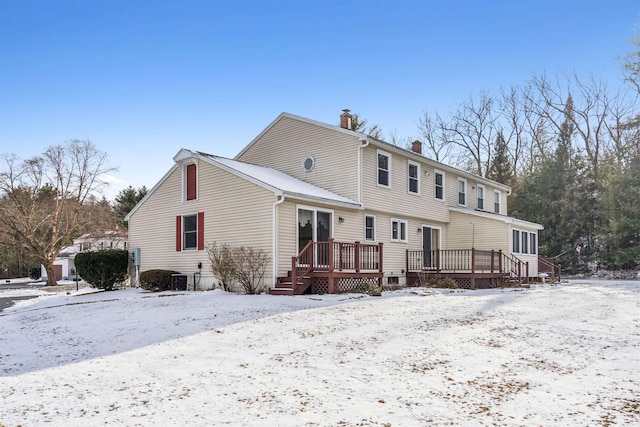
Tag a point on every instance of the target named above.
point(489, 233)
point(396, 200)
point(237, 212)
point(286, 144)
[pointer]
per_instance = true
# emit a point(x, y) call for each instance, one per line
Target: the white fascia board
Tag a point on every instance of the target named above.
point(497, 217)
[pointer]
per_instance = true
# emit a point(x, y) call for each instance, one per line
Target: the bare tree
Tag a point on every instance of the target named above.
point(631, 63)
point(221, 264)
point(250, 265)
point(472, 128)
point(437, 139)
point(44, 197)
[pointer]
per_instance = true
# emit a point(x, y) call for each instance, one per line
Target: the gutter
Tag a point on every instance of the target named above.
point(366, 144)
point(274, 248)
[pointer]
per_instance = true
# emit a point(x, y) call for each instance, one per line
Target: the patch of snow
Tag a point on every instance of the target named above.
point(548, 355)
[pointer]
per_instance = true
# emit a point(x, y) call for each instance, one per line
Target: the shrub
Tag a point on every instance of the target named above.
point(156, 280)
point(35, 273)
point(370, 288)
point(104, 269)
point(249, 268)
point(442, 282)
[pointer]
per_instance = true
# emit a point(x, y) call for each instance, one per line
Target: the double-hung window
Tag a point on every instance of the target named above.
point(414, 177)
point(439, 185)
point(190, 232)
point(384, 169)
point(480, 197)
point(533, 244)
point(369, 228)
point(515, 241)
point(398, 230)
point(524, 242)
point(462, 192)
point(496, 201)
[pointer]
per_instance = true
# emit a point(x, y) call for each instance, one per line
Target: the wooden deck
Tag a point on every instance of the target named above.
point(470, 268)
point(332, 267)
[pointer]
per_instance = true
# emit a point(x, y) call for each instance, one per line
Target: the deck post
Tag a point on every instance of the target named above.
point(380, 261)
point(330, 278)
point(294, 278)
point(407, 260)
point(526, 278)
point(500, 261)
point(357, 257)
point(473, 268)
point(492, 261)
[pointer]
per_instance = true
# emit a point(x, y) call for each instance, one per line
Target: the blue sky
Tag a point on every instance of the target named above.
point(142, 79)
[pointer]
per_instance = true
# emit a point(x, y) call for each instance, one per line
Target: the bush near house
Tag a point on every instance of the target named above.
point(156, 280)
point(104, 269)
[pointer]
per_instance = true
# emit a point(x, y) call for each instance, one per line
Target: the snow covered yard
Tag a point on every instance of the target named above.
point(549, 355)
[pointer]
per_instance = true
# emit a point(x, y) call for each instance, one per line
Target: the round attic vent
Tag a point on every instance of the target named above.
point(308, 163)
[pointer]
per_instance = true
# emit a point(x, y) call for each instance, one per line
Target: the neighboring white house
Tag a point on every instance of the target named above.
point(64, 264)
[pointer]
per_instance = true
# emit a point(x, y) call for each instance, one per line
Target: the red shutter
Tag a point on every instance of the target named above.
point(191, 182)
point(178, 233)
point(200, 231)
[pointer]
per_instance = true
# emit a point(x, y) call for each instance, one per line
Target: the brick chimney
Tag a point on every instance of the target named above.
point(416, 147)
point(345, 119)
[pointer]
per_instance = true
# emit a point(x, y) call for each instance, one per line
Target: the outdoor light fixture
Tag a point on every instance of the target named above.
point(340, 219)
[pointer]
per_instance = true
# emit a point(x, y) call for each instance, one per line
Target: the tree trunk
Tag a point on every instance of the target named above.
point(51, 275)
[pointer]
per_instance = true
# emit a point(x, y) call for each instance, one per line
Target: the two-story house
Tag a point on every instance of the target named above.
point(332, 207)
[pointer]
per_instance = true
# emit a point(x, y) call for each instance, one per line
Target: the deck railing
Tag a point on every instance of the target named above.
point(547, 266)
point(467, 261)
point(331, 256)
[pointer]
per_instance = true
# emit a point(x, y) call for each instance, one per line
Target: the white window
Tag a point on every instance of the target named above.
point(398, 230)
point(384, 169)
point(439, 184)
point(524, 242)
point(496, 201)
point(414, 177)
point(462, 192)
point(190, 232)
point(481, 197)
point(515, 241)
point(533, 244)
point(369, 228)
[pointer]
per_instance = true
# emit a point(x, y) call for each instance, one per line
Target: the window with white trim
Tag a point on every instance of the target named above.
point(369, 228)
point(533, 244)
point(524, 242)
point(462, 192)
point(438, 178)
point(398, 230)
point(515, 241)
point(414, 177)
point(189, 232)
point(384, 169)
point(496, 201)
point(480, 197)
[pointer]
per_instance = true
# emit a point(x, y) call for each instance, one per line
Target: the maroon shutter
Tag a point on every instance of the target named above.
point(178, 233)
point(191, 182)
point(200, 231)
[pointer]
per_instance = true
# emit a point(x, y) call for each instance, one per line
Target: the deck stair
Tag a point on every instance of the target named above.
point(284, 286)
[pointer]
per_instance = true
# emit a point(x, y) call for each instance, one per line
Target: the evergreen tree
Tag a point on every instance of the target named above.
point(500, 169)
point(125, 201)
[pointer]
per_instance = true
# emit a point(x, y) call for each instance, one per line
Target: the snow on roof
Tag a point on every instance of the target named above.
point(277, 181)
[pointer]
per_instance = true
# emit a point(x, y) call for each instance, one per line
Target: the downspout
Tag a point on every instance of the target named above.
point(274, 248)
point(366, 144)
